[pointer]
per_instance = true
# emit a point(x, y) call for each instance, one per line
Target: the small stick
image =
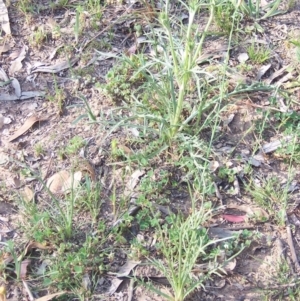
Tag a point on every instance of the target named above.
point(130, 289)
point(27, 289)
point(292, 248)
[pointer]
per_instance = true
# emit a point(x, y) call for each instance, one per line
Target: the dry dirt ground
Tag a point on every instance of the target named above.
point(35, 133)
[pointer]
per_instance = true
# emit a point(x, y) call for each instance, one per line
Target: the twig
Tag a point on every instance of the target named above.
point(130, 289)
point(292, 248)
point(218, 194)
point(30, 296)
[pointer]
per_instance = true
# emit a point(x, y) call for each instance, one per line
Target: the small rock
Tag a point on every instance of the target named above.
point(243, 57)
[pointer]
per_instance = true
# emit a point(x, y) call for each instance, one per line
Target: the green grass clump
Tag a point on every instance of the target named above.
point(258, 54)
point(122, 80)
point(224, 15)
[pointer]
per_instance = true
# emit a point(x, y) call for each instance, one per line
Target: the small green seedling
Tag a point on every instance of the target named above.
point(258, 54)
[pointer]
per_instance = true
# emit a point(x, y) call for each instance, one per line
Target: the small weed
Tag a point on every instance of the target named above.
point(253, 9)
point(121, 80)
point(58, 98)
point(39, 149)
point(245, 67)
point(138, 250)
point(182, 243)
point(96, 9)
point(71, 263)
point(90, 198)
point(224, 15)
point(38, 37)
point(74, 145)
point(226, 173)
point(258, 54)
point(59, 4)
point(290, 152)
point(89, 114)
point(56, 32)
point(287, 286)
point(9, 250)
point(271, 196)
point(26, 7)
point(80, 21)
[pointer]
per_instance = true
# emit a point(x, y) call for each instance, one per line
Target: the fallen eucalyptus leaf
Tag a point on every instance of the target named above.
point(57, 181)
point(16, 65)
point(27, 194)
point(4, 48)
point(31, 94)
point(2, 84)
point(124, 271)
point(3, 75)
point(26, 126)
point(133, 181)
point(57, 67)
point(25, 95)
point(63, 181)
point(16, 85)
point(23, 268)
point(262, 71)
point(272, 146)
point(279, 72)
point(4, 19)
point(8, 97)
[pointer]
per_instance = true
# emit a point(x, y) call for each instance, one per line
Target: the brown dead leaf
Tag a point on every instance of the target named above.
point(51, 296)
point(63, 181)
point(27, 194)
point(23, 270)
point(35, 245)
point(26, 126)
point(56, 182)
point(86, 166)
point(72, 182)
point(125, 149)
point(230, 266)
point(251, 211)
